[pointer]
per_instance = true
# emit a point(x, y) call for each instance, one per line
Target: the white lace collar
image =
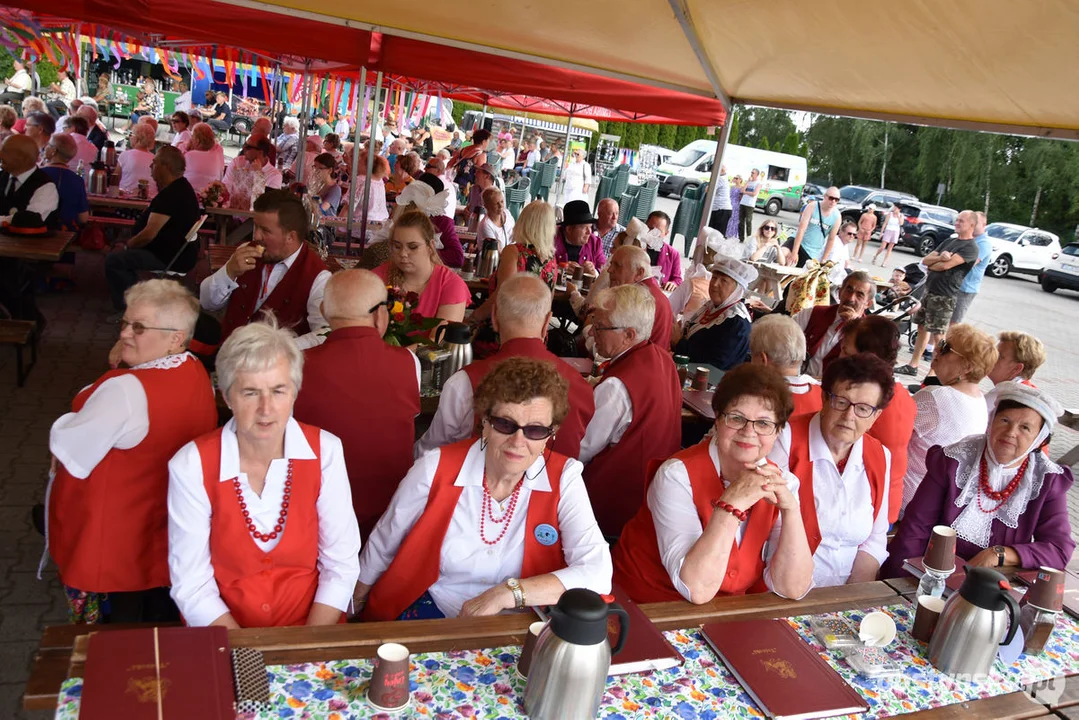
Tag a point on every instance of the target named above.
point(168, 362)
point(972, 524)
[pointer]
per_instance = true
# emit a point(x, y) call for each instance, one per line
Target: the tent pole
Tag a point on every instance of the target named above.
point(706, 211)
point(305, 103)
point(565, 154)
point(370, 158)
point(355, 157)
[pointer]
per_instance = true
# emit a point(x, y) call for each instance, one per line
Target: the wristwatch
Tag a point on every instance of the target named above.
point(518, 592)
point(999, 550)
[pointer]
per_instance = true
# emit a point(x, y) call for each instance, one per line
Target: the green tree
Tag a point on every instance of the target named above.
point(763, 145)
point(650, 134)
point(756, 124)
point(667, 134)
point(792, 144)
point(632, 137)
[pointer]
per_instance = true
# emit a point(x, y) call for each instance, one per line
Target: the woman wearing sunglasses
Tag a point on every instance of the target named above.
point(1006, 501)
point(956, 408)
point(843, 472)
point(107, 528)
point(718, 518)
point(482, 526)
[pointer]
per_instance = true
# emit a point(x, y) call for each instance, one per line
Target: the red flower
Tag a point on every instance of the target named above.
point(417, 318)
point(412, 298)
point(399, 317)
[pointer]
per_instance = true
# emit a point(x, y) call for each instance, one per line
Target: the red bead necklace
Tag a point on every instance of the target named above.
point(487, 512)
point(280, 526)
point(1001, 496)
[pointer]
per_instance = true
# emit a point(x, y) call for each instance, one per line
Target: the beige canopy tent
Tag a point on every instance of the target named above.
point(996, 65)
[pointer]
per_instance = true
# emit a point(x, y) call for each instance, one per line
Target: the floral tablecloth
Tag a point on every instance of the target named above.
point(483, 684)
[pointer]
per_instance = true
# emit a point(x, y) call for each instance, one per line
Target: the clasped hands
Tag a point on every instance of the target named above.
point(756, 482)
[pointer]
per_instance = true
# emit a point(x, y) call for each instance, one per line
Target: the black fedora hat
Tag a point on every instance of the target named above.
point(577, 212)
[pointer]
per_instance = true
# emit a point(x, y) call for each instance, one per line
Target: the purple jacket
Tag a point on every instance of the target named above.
point(451, 253)
point(591, 251)
point(670, 265)
point(1043, 536)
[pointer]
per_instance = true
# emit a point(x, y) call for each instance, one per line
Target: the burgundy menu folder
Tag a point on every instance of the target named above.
point(646, 648)
point(171, 673)
point(786, 678)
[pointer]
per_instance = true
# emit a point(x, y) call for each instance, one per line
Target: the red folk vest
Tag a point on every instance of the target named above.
point(616, 477)
point(110, 532)
point(288, 299)
point(893, 429)
point(820, 319)
point(637, 565)
point(807, 403)
point(415, 567)
point(802, 468)
point(264, 589)
point(364, 392)
point(582, 405)
point(664, 318)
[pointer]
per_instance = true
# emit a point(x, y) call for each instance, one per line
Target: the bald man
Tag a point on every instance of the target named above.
point(607, 226)
point(631, 265)
point(521, 319)
point(817, 229)
point(25, 187)
point(363, 391)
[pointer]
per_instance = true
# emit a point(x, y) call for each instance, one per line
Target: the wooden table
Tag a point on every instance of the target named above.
point(43, 248)
point(122, 203)
point(62, 650)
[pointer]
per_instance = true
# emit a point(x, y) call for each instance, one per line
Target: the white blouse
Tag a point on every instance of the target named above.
point(678, 526)
point(134, 166)
point(468, 566)
point(844, 505)
point(190, 565)
point(945, 416)
point(503, 234)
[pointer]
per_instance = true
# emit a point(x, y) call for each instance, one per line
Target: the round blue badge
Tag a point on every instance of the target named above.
point(546, 534)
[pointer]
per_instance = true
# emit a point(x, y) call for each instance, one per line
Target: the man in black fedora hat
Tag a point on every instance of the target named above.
point(576, 242)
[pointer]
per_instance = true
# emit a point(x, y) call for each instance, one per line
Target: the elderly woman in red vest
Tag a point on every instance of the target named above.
point(499, 523)
point(843, 472)
point(880, 336)
point(719, 519)
point(107, 526)
point(261, 527)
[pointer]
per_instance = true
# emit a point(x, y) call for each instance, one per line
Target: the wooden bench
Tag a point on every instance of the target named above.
point(20, 333)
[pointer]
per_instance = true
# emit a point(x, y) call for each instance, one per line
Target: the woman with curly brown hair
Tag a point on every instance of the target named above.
point(511, 518)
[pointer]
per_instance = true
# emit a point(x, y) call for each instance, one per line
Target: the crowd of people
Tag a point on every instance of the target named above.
point(530, 479)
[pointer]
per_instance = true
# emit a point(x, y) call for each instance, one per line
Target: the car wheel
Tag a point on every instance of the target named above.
point(773, 206)
point(1048, 286)
point(1000, 267)
point(925, 245)
point(242, 126)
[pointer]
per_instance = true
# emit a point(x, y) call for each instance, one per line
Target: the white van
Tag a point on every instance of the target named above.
point(784, 175)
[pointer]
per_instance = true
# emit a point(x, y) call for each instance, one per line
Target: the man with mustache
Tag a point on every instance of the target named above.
point(823, 324)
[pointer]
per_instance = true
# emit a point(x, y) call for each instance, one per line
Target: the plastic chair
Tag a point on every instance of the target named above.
point(627, 204)
point(518, 196)
point(646, 199)
point(191, 237)
point(687, 218)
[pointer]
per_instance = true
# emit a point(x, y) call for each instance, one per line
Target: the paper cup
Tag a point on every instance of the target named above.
point(926, 616)
point(940, 552)
point(700, 379)
point(877, 629)
point(1047, 592)
point(389, 689)
point(524, 662)
point(588, 280)
point(578, 274)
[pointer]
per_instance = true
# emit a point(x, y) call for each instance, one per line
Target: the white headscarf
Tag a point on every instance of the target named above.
point(424, 197)
point(707, 315)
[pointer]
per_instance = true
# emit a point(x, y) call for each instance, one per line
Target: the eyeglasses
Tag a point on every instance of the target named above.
point(945, 347)
point(138, 328)
point(387, 303)
point(840, 403)
point(833, 198)
point(505, 426)
point(769, 228)
point(736, 422)
point(598, 328)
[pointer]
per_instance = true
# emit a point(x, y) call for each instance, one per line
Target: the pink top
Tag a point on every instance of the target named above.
point(444, 288)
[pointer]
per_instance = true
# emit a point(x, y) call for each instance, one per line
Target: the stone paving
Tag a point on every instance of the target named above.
point(72, 354)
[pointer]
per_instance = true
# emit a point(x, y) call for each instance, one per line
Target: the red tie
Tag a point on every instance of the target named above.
point(264, 290)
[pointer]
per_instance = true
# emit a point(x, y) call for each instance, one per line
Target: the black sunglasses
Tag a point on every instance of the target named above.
point(505, 426)
point(769, 228)
point(945, 347)
point(831, 197)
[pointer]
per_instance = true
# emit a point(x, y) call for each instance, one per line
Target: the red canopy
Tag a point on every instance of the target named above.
point(503, 82)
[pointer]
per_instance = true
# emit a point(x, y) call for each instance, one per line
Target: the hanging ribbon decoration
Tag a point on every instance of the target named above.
point(336, 109)
point(363, 108)
point(267, 95)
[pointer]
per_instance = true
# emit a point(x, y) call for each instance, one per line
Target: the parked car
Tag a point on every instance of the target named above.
point(1062, 272)
point(925, 226)
point(1020, 249)
point(811, 191)
point(853, 200)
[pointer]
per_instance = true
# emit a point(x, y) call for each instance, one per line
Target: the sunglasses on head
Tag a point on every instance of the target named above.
point(945, 347)
point(505, 426)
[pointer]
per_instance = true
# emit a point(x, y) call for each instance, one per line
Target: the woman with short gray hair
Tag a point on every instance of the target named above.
point(268, 478)
point(135, 161)
point(777, 340)
point(107, 522)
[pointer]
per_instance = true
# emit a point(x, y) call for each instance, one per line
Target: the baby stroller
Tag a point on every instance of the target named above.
point(900, 309)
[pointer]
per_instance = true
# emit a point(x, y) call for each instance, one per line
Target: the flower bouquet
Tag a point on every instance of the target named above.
point(215, 195)
point(406, 325)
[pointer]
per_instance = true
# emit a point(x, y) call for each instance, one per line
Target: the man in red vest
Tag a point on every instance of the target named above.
point(777, 340)
point(630, 265)
point(638, 406)
point(823, 324)
point(521, 318)
point(276, 271)
point(362, 390)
